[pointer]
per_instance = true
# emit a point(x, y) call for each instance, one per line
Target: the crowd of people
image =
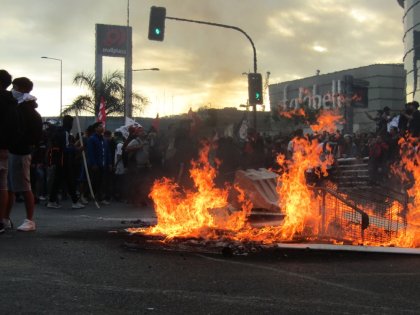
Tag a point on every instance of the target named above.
point(44, 163)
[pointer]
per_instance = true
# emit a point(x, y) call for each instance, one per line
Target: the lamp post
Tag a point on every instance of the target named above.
point(61, 80)
point(145, 69)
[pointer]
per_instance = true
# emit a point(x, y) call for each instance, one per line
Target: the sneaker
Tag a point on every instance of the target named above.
point(27, 226)
point(77, 205)
point(8, 224)
point(83, 200)
point(53, 205)
point(42, 198)
point(105, 202)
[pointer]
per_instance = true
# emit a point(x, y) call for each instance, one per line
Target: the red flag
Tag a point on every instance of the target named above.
point(156, 123)
point(102, 112)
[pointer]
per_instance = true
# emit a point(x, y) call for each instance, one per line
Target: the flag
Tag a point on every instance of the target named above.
point(102, 112)
point(243, 130)
point(128, 123)
point(156, 123)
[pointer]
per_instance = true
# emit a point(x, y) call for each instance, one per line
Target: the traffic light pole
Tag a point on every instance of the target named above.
point(224, 26)
point(254, 106)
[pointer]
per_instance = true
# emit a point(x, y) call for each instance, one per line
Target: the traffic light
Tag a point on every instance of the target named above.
point(357, 91)
point(157, 23)
point(255, 88)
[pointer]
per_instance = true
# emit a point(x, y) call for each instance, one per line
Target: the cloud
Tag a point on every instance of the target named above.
point(199, 64)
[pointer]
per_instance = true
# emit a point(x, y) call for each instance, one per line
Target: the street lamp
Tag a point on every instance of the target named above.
point(145, 69)
point(61, 80)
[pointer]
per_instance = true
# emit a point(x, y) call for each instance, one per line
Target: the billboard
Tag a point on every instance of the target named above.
point(112, 40)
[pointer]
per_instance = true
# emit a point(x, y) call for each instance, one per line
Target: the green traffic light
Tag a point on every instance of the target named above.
point(157, 31)
point(257, 96)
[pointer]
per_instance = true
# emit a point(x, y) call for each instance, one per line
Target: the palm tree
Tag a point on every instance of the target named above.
point(111, 89)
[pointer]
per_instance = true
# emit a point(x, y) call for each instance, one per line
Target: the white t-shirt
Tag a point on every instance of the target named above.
point(142, 155)
point(119, 165)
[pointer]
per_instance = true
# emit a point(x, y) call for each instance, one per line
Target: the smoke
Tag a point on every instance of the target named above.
point(292, 39)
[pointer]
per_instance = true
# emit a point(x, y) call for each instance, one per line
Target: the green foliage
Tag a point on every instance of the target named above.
point(111, 89)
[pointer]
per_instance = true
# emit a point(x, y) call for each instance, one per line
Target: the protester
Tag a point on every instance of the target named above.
point(9, 122)
point(138, 166)
point(21, 148)
point(99, 161)
point(414, 119)
point(62, 156)
point(119, 168)
point(83, 182)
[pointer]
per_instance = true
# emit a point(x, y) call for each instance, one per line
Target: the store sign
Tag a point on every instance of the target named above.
point(112, 40)
point(312, 99)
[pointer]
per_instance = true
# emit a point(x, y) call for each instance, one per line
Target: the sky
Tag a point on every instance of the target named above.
point(199, 65)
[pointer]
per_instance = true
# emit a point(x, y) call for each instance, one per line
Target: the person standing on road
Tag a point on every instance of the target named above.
point(8, 123)
point(99, 161)
point(29, 135)
point(63, 154)
point(138, 167)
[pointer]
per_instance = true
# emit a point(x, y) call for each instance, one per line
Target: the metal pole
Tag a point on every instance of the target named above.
point(224, 26)
point(254, 106)
point(61, 87)
point(84, 161)
point(61, 80)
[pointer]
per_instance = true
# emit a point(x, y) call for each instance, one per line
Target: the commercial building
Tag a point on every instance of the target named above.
point(411, 39)
point(352, 92)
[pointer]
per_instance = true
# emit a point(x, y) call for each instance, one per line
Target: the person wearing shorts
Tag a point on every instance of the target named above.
point(9, 122)
point(20, 150)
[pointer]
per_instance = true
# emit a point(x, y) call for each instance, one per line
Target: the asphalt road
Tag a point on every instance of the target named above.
point(76, 264)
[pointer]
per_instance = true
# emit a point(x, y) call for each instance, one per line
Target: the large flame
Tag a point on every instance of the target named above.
point(194, 212)
point(205, 211)
point(410, 162)
point(298, 201)
point(327, 121)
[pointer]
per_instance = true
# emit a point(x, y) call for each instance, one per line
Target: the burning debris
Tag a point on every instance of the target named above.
point(310, 213)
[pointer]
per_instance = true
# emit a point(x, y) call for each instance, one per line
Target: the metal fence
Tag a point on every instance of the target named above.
point(361, 217)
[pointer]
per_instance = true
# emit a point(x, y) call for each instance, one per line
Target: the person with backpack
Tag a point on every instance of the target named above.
point(28, 135)
point(8, 123)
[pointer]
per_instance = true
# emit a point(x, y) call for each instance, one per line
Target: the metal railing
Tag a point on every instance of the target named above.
point(357, 218)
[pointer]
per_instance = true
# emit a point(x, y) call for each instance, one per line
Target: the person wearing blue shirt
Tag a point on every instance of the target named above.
point(99, 160)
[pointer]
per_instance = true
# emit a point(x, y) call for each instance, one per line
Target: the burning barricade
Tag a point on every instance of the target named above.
point(307, 213)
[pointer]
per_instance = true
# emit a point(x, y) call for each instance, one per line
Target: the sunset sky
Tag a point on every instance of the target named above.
point(200, 65)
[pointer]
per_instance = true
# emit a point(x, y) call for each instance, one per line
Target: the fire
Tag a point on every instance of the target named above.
point(293, 113)
point(193, 213)
point(410, 161)
point(327, 121)
point(205, 211)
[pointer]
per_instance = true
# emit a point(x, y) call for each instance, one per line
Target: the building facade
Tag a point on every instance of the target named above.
point(367, 89)
point(411, 39)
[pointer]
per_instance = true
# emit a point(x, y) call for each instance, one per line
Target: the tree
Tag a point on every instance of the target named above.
point(111, 89)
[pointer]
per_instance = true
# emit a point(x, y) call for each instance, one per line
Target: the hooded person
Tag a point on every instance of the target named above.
point(28, 135)
point(9, 122)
